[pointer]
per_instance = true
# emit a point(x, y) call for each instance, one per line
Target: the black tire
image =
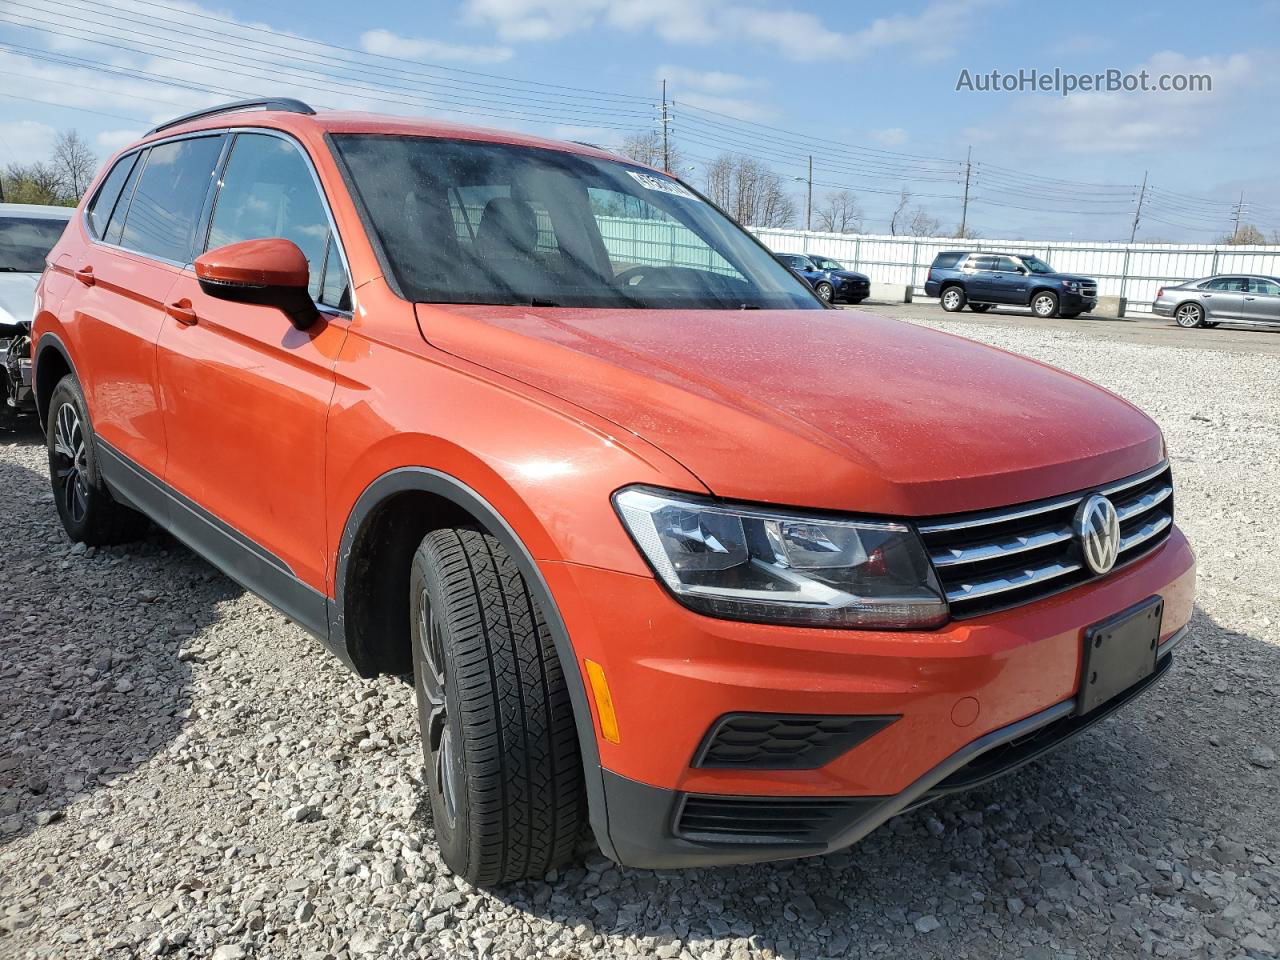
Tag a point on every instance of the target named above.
point(953, 298)
point(1044, 304)
point(825, 291)
point(88, 512)
point(503, 768)
point(979, 307)
point(1189, 315)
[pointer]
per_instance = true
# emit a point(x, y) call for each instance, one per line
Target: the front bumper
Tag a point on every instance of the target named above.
point(958, 692)
point(652, 831)
point(1076, 302)
point(853, 290)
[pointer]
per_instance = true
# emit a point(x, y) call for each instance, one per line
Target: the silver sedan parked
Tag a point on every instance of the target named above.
point(1249, 299)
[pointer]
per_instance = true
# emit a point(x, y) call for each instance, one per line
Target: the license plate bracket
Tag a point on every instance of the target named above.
point(1119, 652)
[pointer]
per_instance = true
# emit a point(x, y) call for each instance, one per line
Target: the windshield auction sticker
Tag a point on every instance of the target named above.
point(650, 182)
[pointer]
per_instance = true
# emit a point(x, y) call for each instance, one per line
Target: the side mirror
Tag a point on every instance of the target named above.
point(271, 272)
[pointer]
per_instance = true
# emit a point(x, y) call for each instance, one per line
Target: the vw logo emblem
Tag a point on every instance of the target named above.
point(1097, 528)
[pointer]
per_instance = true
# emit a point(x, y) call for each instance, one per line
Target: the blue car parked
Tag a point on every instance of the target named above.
point(984, 280)
point(829, 279)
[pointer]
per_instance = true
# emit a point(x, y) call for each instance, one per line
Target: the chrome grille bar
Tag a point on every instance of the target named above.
point(993, 559)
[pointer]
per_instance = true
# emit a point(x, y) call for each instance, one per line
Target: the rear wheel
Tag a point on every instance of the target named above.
point(825, 291)
point(88, 512)
point(501, 750)
point(1045, 304)
point(1189, 315)
point(953, 299)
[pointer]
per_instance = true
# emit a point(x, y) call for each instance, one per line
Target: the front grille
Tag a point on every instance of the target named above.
point(1089, 290)
point(767, 820)
point(1001, 558)
point(777, 741)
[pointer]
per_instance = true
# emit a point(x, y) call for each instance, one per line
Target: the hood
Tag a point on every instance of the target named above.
point(817, 408)
point(1069, 276)
point(17, 296)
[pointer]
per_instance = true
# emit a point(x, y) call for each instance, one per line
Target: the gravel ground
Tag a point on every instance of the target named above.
point(185, 773)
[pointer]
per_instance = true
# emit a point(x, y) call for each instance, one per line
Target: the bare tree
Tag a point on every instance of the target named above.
point(923, 225)
point(33, 183)
point(1246, 233)
point(749, 191)
point(75, 163)
point(646, 147)
point(904, 200)
point(968, 233)
point(840, 212)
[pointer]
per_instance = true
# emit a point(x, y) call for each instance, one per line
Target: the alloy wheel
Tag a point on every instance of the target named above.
point(951, 299)
point(436, 728)
point(71, 462)
point(825, 292)
point(1044, 306)
point(1188, 315)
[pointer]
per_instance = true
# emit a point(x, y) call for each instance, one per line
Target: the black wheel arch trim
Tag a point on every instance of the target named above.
point(426, 480)
point(49, 342)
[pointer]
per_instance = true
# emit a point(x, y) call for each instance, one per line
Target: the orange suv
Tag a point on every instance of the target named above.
point(668, 546)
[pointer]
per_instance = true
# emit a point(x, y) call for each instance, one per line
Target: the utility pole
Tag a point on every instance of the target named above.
point(808, 203)
point(964, 210)
point(1137, 214)
point(1235, 232)
point(666, 147)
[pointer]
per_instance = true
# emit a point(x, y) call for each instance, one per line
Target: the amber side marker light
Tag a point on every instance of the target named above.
point(604, 701)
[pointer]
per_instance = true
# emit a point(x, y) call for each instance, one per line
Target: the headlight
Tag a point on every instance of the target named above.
point(744, 563)
point(1071, 285)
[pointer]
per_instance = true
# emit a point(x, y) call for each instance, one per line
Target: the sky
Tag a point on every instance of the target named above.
point(869, 90)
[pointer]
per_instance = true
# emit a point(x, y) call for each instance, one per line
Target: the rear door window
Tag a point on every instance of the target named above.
point(982, 263)
point(268, 191)
point(1267, 288)
point(169, 197)
point(104, 201)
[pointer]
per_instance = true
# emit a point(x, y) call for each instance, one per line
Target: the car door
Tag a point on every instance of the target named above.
point(1223, 298)
point(1262, 301)
point(1009, 282)
point(142, 224)
point(246, 395)
point(980, 269)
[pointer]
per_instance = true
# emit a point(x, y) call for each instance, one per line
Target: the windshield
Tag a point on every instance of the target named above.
point(1036, 265)
point(826, 263)
point(473, 222)
point(26, 241)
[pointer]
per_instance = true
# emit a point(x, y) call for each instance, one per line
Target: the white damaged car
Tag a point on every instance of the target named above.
point(27, 234)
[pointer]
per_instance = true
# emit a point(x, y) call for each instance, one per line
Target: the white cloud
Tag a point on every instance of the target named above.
point(25, 141)
point(1101, 122)
point(710, 81)
point(797, 35)
point(390, 44)
point(109, 141)
point(890, 136)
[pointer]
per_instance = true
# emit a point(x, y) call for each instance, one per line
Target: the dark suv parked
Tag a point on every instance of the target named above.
point(829, 279)
point(985, 280)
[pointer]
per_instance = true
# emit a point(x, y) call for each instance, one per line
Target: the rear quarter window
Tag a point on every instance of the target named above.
point(945, 261)
point(104, 201)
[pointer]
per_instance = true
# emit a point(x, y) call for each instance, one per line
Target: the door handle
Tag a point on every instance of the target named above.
point(181, 311)
point(85, 276)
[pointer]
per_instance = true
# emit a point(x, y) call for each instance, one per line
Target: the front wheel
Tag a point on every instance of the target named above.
point(1045, 305)
point(88, 512)
point(503, 768)
point(825, 292)
point(1189, 315)
point(953, 299)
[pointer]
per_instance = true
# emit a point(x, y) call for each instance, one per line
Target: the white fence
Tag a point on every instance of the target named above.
point(1132, 270)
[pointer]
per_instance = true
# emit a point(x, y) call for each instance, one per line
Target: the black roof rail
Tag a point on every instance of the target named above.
point(285, 104)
